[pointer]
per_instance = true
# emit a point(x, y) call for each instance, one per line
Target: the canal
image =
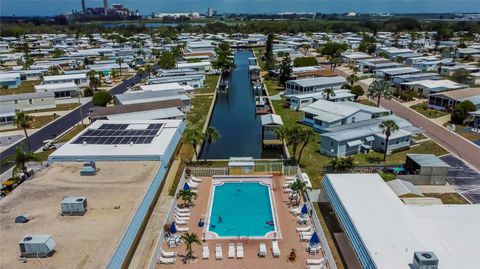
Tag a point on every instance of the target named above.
point(235, 119)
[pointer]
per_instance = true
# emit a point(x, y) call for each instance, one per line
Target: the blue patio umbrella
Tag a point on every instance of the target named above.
point(304, 209)
point(173, 228)
point(186, 187)
point(314, 239)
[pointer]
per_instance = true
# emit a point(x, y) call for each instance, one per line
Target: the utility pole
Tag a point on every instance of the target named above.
point(80, 104)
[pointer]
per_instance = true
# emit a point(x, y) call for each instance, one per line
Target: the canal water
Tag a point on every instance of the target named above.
point(235, 119)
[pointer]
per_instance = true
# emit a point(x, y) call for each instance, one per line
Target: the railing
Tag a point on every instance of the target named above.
point(207, 171)
point(158, 247)
point(321, 235)
point(268, 167)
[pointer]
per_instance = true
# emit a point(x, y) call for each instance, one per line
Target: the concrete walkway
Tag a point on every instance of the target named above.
point(146, 246)
point(442, 120)
point(435, 189)
point(414, 102)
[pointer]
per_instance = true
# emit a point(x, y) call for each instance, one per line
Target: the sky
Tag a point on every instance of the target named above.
point(145, 7)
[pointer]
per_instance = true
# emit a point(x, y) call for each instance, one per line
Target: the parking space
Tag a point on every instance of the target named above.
point(463, 178)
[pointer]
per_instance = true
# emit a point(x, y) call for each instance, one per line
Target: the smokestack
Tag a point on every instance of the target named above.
point(105, 7)
point(83, 6)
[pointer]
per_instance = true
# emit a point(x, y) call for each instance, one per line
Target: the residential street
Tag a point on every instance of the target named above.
point(447, 139)
point(65, 122)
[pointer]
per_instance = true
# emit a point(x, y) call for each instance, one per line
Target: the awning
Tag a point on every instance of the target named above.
point(369, 138)
point(354, 143)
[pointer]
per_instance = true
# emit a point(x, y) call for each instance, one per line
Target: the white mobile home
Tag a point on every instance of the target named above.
point(29, 101)
point(314, 84)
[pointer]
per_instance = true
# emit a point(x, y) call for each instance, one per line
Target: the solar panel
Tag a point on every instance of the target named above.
point(110, 134)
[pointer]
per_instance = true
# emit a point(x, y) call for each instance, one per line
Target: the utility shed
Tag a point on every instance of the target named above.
point(73, 205)
point(425, 169)
point(41, 245)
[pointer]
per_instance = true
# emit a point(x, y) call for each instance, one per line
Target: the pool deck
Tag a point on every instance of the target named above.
point(286, 226)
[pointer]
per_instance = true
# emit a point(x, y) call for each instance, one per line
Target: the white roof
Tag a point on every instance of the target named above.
point(59, 86)
point(403, 187)
point(9, 76)
point(392, 231)
point(156, 148)
point(443, 84)
point(65, 77)
point(166, 86)
point(271, 119)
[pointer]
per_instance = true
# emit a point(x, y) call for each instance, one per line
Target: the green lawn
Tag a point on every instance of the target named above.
point(428, 112)
point(71, 134)
point(258, 53)
point(462, 130)
point(313, 162)
point(209, 84)
point(367, 102)
point(59, 107)
point(26, 87)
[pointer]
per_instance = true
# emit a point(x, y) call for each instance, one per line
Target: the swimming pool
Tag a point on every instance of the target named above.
point(241, 209)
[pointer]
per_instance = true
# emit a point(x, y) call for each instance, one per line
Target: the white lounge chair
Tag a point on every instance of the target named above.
point(182, 217)
point(205, 252)
point(302, 219)
point(218, 252)
point(304, 229)
point(163, 260)
point(168, 254)
point(314, 266)
point(182, 210)
point(182, 229)
point(315, 261)
point(287, 190)
point(180, 221)
point(231, 250)
point(195, 179)
point(193, 184)
point(183, 214)
point(239, 251)
point(275, 249)
point(305, 238)
point(296, 211)
point(262, 250)
point(313, 250)
point(305, 233)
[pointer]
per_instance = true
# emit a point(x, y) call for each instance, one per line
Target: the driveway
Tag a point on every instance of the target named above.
point(463, 178)
point(454, 143)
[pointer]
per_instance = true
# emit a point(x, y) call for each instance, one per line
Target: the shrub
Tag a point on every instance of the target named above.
point(357, 90)
point(101, 98)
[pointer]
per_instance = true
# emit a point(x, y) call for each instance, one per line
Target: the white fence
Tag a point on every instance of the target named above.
point(158, 247)
point(207, 171)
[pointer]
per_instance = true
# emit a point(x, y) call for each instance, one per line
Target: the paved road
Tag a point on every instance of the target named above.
point(64, 123)
point(463, 179)
point(447, 139)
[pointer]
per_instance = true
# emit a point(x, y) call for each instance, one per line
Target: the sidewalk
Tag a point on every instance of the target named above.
point(146, 246)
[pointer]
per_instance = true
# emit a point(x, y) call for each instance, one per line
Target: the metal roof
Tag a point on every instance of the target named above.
point(427, 160)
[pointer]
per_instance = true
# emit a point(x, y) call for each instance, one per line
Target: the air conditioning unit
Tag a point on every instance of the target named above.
point(39, 245)
point(425, 260)
point(73, 205)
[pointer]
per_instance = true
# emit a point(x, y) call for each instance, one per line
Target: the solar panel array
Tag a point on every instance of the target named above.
point(113, 134)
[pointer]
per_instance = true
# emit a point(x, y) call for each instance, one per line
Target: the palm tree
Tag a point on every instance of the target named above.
point(211, 136)
point(114, 74)
point(351, 80)
point(194, 138)
point(189, 239)
point(187, 196)
point(20, 159)
point(388, 128)
point(379, 89)
point(94, 80)
point(328, 93)
point(23, 121)
point(306, 136)
point(299, 187)
point(119, 61)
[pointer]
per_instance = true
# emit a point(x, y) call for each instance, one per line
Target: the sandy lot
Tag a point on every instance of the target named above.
point(82, 241)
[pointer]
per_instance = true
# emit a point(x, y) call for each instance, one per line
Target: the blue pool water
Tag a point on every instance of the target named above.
point(241, 209)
